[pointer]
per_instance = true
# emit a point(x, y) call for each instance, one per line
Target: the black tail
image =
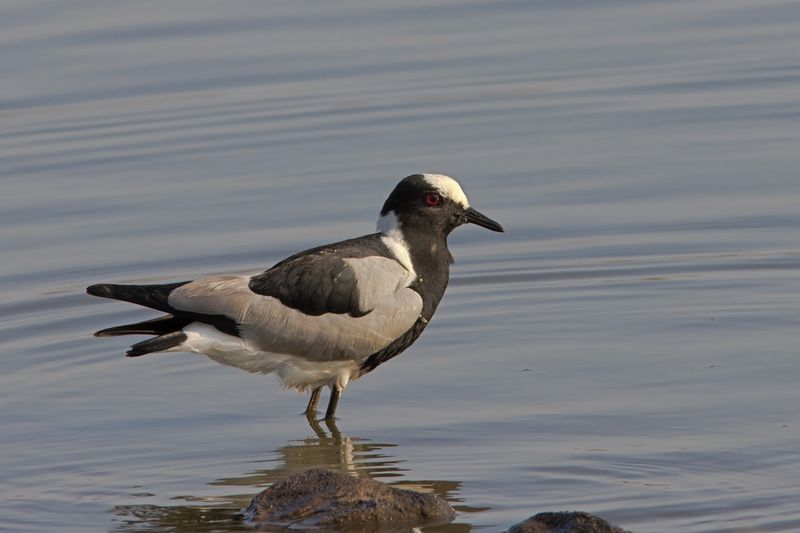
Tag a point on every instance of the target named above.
point(157, 344)
point(155, 326)
point(166, 328)
point(153, 296)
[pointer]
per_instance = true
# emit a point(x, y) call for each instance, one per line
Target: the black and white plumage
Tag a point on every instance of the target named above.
point(322, 317)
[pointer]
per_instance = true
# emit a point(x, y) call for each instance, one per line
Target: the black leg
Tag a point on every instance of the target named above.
point(316, 428)
point(323, 437)
point(331, 411)
point(336, 435)
point(311, 408)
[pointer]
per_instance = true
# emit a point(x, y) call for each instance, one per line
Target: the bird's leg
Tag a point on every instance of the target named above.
point(311, 408)
point(336, 435)
point(317, 429)
point(331, 411)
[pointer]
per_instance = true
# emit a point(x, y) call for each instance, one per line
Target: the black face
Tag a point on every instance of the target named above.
point(419, 206)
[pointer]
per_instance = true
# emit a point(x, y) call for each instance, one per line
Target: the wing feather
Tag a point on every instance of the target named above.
point(356, 308)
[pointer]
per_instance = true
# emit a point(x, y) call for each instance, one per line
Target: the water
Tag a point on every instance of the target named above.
point(628, 347)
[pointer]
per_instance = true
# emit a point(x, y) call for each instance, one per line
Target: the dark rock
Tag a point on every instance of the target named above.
point(565, 522)
point(319, 498)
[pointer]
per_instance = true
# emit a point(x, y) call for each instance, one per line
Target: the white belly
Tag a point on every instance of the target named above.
point(294, 372)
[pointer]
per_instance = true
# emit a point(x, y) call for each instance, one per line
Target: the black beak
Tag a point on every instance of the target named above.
point(474, 216)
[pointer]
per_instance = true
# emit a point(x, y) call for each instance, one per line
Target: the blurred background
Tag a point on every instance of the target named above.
point(627, 348)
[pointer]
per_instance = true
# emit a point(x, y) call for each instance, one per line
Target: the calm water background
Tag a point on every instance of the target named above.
point(629, 347)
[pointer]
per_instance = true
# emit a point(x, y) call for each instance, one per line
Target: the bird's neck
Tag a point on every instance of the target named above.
point(425, 252)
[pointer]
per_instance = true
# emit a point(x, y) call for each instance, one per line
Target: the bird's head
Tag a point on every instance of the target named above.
point(430, 203)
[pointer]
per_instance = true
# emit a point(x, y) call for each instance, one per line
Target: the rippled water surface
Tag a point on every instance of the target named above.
point(629, 347)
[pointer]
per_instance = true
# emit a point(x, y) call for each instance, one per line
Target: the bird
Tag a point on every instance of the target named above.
point(322, 317)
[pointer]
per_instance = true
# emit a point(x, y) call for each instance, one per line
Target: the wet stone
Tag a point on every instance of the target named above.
point(322, 499)
point(565, 522)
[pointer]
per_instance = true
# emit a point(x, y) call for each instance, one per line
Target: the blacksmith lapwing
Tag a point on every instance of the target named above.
point(322, 317)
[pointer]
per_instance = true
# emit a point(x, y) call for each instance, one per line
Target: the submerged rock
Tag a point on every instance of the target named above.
point(565, 522)
point(320, 498)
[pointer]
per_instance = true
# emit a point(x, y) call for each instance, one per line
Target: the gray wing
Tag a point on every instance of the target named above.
point(335, 278)
point(313, 284)
point(367, 305)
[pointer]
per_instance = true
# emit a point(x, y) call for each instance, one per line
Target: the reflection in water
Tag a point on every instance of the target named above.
point(328, 449)
point(332, 450)
point(178, 519)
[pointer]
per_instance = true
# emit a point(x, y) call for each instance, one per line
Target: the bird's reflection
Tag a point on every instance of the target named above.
point(328, 448)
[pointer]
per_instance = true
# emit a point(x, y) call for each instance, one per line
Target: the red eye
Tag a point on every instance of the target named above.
point(432, 199)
